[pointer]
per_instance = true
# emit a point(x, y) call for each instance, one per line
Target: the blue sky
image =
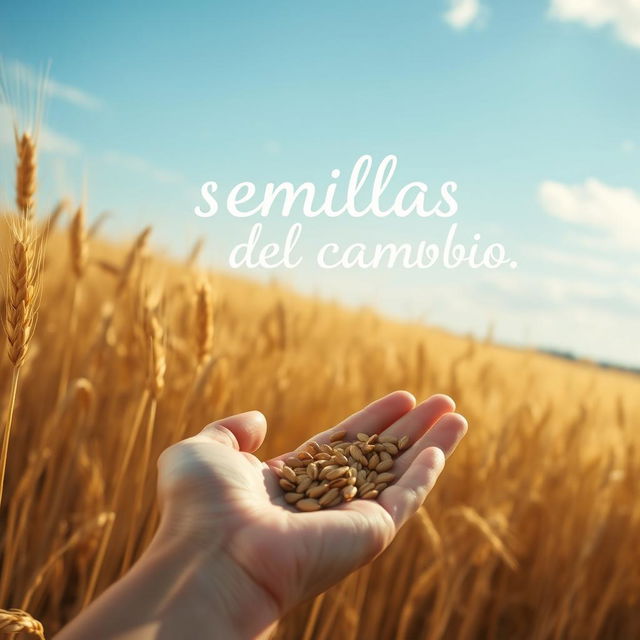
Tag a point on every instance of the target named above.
point(530, 107)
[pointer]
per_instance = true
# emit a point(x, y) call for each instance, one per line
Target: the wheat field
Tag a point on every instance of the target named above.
point(112, 352)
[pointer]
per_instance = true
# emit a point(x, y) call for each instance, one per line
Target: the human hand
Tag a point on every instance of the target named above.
point(227, 508)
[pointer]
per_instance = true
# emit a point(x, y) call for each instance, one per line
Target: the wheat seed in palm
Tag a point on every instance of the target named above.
point(321, 476)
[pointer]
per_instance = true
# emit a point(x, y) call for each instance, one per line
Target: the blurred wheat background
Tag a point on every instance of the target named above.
point(531, 532)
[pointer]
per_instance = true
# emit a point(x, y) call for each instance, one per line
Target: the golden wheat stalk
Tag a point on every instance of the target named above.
point(157, 356)
point(132, 258)
point(194, 255)
point(23, 296)
point(79, 257)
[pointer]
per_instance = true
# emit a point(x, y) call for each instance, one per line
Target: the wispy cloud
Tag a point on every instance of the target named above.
point(535, 291)
point(73, 95)
point(18, 72)
point(141, 166)
point(465, 13)
point(622, 15)
point(49, 141)
point(613, 211)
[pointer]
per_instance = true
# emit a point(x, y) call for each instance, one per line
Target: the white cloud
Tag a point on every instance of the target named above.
point(553, 292)
point(73, 95)
point(622, 15)
point(17, 76)
point(628, 146)
point(613, 211)
point(51, 141)
point(141, 166)
point(465, 13)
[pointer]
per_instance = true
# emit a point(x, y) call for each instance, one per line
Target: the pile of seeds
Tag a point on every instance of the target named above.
point(324, 475)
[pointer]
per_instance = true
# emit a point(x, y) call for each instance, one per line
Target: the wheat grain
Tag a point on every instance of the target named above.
point(316, 492)
point(289, 474)
point(308, 504)
point(329, 497)
point(336, 472)
point(385, 465)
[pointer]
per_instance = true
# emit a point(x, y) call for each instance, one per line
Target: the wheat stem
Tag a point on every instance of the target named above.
point(7, 429)
point(67, 344)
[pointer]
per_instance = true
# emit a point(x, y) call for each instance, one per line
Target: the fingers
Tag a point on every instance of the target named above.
point(422, 418)
point(244, 431)
point(374, 418)
point(402, 499)
point(420, 465)
point(444, 435)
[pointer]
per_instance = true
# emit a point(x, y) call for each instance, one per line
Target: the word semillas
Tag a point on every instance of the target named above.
point(410, 199)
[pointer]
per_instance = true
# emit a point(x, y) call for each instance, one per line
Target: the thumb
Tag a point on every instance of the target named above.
point(243, 432)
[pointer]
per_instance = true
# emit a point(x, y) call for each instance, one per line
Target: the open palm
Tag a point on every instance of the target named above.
point(216, 494)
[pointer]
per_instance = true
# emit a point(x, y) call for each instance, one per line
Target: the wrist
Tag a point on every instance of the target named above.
point(210, 590)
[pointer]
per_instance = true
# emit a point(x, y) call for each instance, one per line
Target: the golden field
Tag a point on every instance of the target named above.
point(531, 532)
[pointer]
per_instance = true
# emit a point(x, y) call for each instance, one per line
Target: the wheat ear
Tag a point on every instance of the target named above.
point(14, 621)
point(203, 321)
point(78, 243)
point(25, 174)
